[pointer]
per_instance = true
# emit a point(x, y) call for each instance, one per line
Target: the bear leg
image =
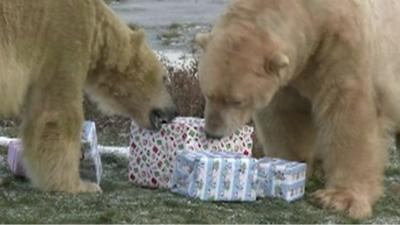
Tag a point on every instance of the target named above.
point(285, 127)
point(353, 151)
point(51, 136)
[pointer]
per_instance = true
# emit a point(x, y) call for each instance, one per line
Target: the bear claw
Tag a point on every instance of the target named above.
point(343, 200)
point(90, 187)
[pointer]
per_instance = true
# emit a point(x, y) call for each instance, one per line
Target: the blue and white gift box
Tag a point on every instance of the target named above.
point(214, 176)
point(280, 178)
point(90, 165)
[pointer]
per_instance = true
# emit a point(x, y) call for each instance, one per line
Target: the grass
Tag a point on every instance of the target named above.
point(121, 202)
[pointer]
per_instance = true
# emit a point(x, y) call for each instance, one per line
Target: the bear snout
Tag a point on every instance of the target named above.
point(162, 116)
point(213, 136)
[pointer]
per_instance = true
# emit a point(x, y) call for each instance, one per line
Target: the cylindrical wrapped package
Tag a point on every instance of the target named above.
point(14, 158)
point(90, 164)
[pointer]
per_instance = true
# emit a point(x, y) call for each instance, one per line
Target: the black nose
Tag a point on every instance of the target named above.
point(159, 117)
point(213, 136)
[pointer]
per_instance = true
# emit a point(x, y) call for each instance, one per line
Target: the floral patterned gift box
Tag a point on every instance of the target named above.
point(280, 178)
point(152, 154)
point(214, 176)
point(90, 165)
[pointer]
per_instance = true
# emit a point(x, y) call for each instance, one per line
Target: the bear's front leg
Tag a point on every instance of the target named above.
point(51, 136)
point(285, 128)
point(352, 148)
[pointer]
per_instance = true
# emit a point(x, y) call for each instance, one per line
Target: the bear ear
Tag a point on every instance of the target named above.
point(138, 36)
point(277, 62)
point(134, 27)
point(202, 39)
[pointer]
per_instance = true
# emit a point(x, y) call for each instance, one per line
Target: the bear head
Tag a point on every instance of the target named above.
point(134, 85)
point(240, 71)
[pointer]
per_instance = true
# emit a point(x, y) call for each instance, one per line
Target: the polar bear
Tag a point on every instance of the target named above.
point(53, 51)
point(321, 79)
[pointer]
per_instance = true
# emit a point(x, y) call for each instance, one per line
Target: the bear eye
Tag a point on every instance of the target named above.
point(236, 103)
point(165, 79)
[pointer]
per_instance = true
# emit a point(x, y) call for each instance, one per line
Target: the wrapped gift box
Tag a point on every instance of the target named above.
point(14, 157)
point(90, 165)
point(214, 176)
point(280, 178)
point(152, 154)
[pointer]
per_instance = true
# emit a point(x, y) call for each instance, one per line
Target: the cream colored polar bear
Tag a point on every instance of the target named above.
point(50, 51)
point(321, 79)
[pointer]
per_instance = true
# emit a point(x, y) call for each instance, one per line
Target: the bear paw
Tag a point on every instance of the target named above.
point(90, 187)
point(354, 205)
